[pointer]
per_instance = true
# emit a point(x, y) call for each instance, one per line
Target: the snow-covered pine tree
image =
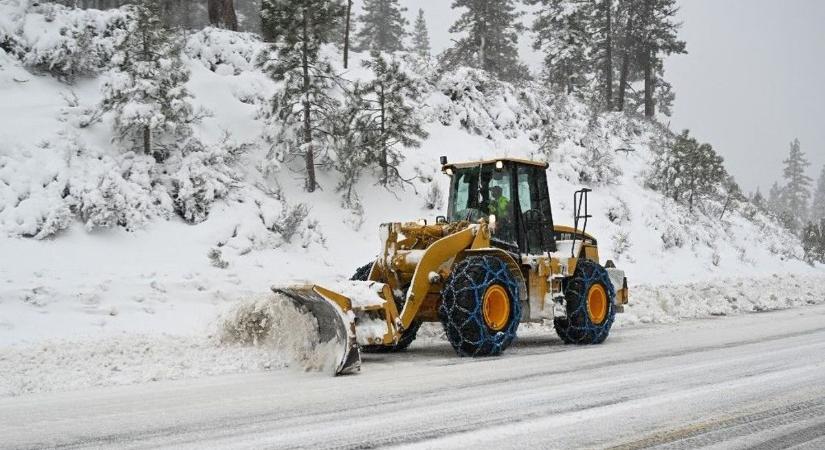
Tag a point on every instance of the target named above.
point(796, 193)
point(629, 16)
point(758, 200)
point(350, 128)
point(145, 89)
point(688, 171)
point(421, 36)
point(563, 34)
point(491, 29)
point(774, 201)
point(658, 37)
point(813, 242)
point(395, 124)
point(383, 27)
point(299, 28)
point(818, 205)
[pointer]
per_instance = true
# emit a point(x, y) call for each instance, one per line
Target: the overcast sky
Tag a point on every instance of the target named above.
point(753, 80)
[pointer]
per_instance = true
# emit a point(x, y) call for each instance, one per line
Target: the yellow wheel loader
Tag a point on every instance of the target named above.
point(495, 260)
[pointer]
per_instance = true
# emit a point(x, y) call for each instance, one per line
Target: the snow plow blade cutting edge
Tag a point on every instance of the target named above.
point(334, 323)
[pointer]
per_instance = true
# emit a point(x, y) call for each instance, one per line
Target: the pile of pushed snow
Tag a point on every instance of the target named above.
point(701, 299)
point(274, 323)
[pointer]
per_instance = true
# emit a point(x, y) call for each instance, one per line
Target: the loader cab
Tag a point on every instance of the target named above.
point(512, 195)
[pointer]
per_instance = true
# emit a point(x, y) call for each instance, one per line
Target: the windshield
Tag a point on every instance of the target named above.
point(481, 192)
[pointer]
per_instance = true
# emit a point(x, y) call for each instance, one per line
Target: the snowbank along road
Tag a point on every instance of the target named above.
point(753, 381)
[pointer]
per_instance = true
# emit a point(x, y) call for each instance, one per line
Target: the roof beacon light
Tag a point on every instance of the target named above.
point(499, 165)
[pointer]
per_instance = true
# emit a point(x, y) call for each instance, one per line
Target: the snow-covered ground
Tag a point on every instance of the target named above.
point(108, 306)
point(750, 381)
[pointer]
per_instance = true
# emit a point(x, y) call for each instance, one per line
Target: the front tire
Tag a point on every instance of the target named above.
point(480, 307)
point(407, 337)
point(591, 306)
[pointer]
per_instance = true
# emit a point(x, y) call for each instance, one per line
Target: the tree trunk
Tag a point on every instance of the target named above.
point(650, 107)
point(222, 14)
point(608, 63)
point(147, 140)
point(309, 156)
point(625, 71)
point(649, 56)
point(384, 164)
point(346, 34)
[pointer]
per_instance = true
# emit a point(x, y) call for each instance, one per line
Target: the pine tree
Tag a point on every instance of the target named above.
point(383, 26)
point(813, 242)
point(491, 41)
point(393, 120)
point(350, 127)
point(818, 205)
point(145, 89)
point(563, 34)
point(299, 28)
point(774, 202)
point(420, 36)
point(796, 194)
point(658, 37)
point(758, 200)
point(688, 171)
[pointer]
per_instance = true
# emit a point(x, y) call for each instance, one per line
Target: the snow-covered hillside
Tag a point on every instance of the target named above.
point(70, 269)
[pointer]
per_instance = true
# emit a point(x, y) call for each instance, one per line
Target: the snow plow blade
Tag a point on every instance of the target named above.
point(334, 323)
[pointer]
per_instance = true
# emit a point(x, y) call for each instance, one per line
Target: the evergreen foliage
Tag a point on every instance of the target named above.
point(813, 242)
point(145, 90)
point(563, 33)
point(587, 43)
point(796, 193)
point(383, 27)
point(491, 41)
point(421, 36)
point(299, 28)
point(818, 205)
point(391, 118)
point(688, 171)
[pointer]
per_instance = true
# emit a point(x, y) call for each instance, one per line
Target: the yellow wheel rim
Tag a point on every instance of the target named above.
point(496, 307)
point(597, 304)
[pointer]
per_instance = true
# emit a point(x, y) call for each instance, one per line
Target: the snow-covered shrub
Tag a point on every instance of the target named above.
point(216, 259)
point(205, 175)
point(79, 115)
point(621, 243)
point(672, 237)
point(290, 221)
point(63, 41)
point(292, 224)
point(618, 213)
point(223, 51)
point(105, 191)
point(32, 185)
point(487, 107)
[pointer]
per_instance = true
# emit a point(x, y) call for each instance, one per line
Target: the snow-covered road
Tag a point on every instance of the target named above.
point(755, 381)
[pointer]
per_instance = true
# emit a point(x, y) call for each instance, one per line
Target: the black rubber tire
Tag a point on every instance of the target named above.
point(576, 327)
point(407, 337)
point(461, 312)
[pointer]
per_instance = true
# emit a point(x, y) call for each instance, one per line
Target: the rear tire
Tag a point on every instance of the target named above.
point(407, 337)
point(591, 306)
point(480, 308)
